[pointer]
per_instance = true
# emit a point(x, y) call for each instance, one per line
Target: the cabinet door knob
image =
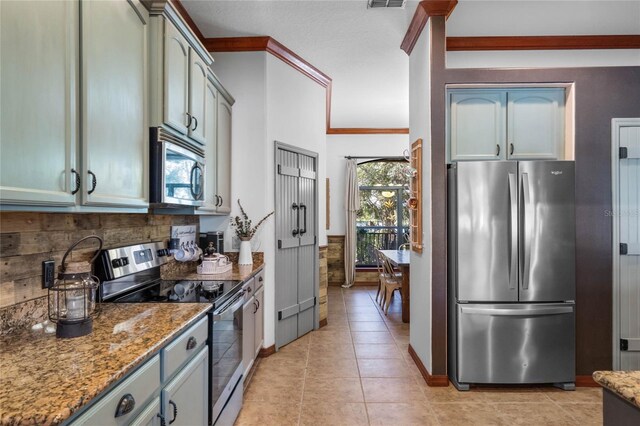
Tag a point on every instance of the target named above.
point(94, 182)
point(260, 279)
point(497, 150)
point(511, 148)
point(175, 411)
point(78, 182)
point(191, 343)
point(126, 405)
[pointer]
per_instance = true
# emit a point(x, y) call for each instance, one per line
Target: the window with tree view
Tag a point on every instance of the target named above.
point(383, 219)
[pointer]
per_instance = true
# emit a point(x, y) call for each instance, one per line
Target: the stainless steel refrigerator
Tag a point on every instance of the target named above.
point(511, 265)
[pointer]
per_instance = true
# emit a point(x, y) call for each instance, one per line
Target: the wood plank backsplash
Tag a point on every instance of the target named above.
point(27, 239)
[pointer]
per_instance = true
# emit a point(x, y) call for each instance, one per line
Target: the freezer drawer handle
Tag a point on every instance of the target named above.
point(556, 310)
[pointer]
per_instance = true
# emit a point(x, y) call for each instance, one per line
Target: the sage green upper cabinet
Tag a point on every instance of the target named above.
point(535, 124)
point(114, 120)
point(197, 89)
point(223, 159)
point(176, 79)
point(506, 124)
point(38, 51)
point(210, 200)
point(178, 75)
point(477, 125)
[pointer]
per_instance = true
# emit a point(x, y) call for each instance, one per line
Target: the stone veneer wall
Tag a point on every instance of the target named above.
point(27, 239)
point(324, 283)
point(335, 263)
point(335, 259)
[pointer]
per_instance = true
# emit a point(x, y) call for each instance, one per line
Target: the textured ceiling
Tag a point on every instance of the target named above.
point(359, 48)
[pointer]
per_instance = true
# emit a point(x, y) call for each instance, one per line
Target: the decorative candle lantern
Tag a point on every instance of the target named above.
point(72, 298)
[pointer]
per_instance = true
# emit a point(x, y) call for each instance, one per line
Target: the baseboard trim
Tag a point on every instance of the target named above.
point(323, 322)
point(586, 382)
point(432, 380)
point(265, 352)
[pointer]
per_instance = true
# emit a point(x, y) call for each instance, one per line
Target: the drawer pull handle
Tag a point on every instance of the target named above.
point(126, 405)
point(191, 343)
point(175, 411)
point(260, 279)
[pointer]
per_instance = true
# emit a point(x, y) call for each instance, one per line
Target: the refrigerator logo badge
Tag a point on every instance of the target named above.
point(556, 172)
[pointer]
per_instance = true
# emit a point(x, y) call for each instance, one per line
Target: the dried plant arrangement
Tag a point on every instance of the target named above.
point(242, 224)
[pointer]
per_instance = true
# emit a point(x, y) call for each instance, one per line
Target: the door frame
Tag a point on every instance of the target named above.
point(316, 275)
point(616, 125)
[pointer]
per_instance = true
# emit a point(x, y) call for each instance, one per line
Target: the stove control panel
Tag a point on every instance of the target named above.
point(119, 262)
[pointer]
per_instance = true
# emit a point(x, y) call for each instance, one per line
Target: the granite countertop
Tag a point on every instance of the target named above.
point(625, 384)
point(44, 380)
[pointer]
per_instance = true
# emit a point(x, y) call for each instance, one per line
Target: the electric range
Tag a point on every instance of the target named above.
point(132, 275)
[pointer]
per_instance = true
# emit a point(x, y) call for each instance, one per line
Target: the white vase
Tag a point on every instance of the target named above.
point(245, 257)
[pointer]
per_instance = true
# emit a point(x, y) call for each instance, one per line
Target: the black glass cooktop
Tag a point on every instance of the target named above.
point(164, 291)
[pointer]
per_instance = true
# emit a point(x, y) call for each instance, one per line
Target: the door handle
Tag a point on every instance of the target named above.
point(175, 411)
point(196, 125)
point(78, 182)
point(296, 231)
point(555, 310)
point(497, 150)
point(189, 121)
point(513, 230)
point(94, 182)
point(511, 149)
point(304, 229)
point(527, 219)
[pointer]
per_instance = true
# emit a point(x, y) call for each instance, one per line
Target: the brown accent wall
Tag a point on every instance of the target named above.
point(601, 93)
point(27, 239)
point(324, 283)
point(335, 259)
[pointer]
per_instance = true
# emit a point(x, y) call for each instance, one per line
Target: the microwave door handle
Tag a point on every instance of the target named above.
point(201, 182)
point(193, 169)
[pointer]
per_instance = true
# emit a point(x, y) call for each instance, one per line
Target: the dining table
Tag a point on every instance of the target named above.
point(400, 259)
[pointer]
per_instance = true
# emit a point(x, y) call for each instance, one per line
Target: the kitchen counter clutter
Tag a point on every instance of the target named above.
point(45, 380)
point(186, 271)
point(625, 384)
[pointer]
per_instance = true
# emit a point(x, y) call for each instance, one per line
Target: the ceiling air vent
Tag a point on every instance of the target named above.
point(385, 3)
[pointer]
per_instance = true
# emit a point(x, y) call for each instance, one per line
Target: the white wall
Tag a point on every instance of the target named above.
point(420, 127)
point(537, 18)
point(273, 102)
point(339, 146)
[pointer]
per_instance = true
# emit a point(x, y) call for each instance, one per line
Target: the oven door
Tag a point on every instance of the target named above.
point(225, 353)
point(182, 176)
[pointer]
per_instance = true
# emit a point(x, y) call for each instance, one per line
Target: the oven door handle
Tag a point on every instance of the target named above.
point(237, 304)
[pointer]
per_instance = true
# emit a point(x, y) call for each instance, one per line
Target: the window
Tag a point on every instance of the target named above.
point(383, 219)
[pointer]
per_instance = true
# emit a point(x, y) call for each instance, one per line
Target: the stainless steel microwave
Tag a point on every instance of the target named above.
point(177, 171)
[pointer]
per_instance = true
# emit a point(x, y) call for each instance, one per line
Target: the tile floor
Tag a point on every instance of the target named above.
point(356, 371)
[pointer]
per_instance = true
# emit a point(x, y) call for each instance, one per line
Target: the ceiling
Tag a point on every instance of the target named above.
point(359, 48)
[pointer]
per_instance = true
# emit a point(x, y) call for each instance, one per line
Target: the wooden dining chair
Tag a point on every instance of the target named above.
point(390, 281)
point(379, 293)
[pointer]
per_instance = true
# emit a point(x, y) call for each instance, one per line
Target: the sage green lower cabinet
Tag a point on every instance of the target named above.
point(149, 416)
point(136, 390)
point(185, 399)
point(178, 392)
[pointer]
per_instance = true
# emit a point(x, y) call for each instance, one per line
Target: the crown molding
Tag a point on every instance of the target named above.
point(421, 16)
point(571, 42)
point(367, 131)
point(177, 4)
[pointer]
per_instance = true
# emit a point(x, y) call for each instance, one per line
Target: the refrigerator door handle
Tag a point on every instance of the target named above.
point(530, 311)
point(513, 230)
point(528, 230)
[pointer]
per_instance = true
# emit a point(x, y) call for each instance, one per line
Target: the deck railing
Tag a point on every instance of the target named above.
point(370, 238)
